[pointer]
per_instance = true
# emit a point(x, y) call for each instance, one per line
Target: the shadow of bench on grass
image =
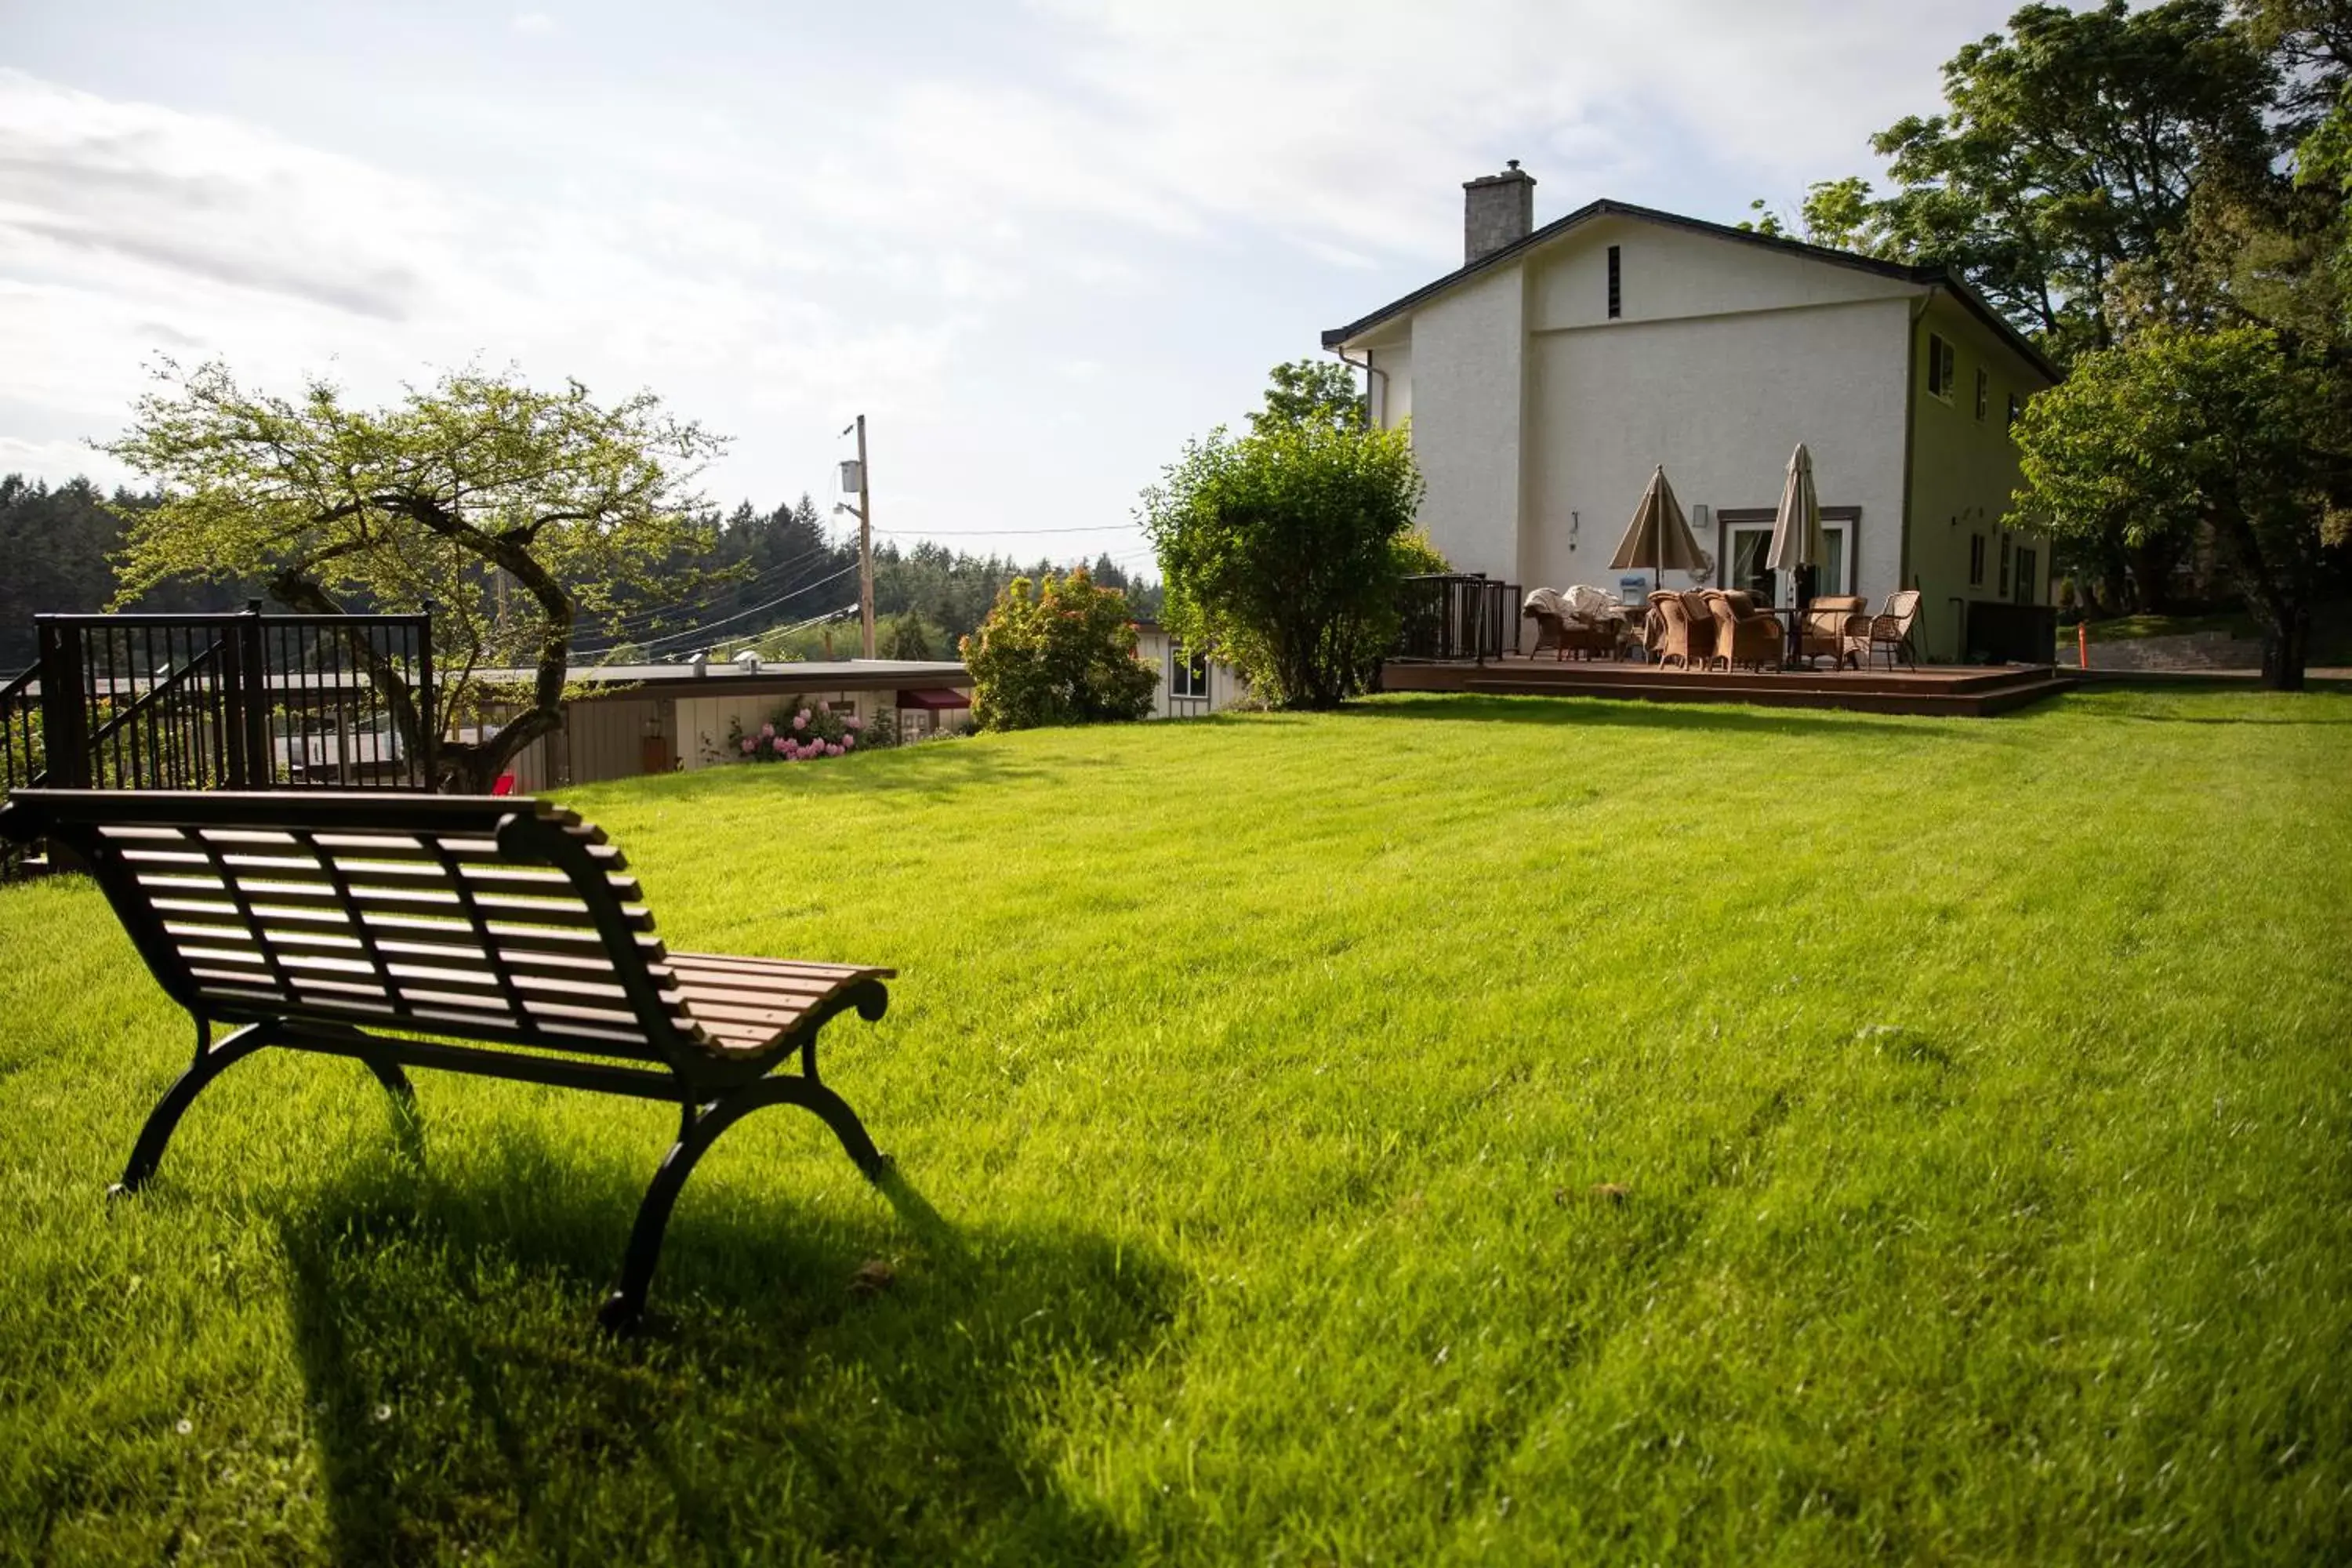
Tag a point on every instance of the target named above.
point(803, 1402)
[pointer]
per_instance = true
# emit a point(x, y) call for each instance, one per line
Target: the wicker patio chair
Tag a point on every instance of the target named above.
point(1831, 622)
point(1699, 651)
point(1744, 634)
point(1653, 626)
point(1890, 629)
point(1668, 635)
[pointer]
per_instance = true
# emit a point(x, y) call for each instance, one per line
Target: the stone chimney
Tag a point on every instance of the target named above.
point(1497, 210)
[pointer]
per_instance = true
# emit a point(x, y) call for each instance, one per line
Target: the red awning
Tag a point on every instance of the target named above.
point(936, 698)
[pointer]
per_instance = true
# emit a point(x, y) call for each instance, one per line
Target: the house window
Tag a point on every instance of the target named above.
point(1943, 367)
point(1616, 275)
point(1747, 546)
point(1984, 395)
point(2004, 568)
point(1188, 673)
point(2027, 563)
point(1976, 560)
point(2016, 407)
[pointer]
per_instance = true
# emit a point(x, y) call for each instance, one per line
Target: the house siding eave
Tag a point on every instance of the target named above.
point(1923, 277)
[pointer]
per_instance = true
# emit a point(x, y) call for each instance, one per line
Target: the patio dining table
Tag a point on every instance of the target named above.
point(1793, 618)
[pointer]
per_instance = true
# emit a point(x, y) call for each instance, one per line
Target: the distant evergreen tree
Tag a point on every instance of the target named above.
point(909, 639)
point(55, 541)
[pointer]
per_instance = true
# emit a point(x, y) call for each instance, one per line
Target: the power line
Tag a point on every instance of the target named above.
point(995, 532)
point(782, 629)
point(707, 626)
point(768, 573)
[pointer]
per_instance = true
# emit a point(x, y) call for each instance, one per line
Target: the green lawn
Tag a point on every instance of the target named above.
point(1973, 1099)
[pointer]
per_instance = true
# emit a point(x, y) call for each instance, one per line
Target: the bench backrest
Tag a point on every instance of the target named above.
point(487, 917)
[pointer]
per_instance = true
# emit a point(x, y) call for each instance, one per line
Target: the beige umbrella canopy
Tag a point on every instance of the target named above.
point(1796, 530)
point(1659, 539)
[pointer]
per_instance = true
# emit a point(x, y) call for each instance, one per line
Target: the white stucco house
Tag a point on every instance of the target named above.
point(1546, 377)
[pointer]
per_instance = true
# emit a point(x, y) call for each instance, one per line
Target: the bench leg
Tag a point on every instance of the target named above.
point(623, 1309)
point(210, 1062)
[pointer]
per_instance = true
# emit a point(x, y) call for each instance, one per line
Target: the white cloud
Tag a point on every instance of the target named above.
point(129, 229)
point(533, 24)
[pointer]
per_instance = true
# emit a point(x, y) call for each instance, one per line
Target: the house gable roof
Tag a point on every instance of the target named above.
point(1925, 276)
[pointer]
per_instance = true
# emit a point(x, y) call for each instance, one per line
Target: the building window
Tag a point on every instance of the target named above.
point(1984, 395)
point(1616, 277)
point(1976, 560)
point(2016, 407)
point(2029, 562)
point(1188, 673)
point(2004, 568)
point(1943, 367)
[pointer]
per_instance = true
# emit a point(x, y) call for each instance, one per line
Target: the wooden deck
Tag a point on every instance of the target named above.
point(1933, 691)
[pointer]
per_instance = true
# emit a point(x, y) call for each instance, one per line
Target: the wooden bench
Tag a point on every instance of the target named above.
point(475, 934)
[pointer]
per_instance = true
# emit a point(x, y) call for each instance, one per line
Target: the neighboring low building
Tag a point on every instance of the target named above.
point(1548, 375)
point(1190, 683)
point(627, 719)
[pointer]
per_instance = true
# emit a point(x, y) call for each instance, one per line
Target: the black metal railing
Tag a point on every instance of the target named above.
point(1456, 616)
point(20, 752)
point(242, 701)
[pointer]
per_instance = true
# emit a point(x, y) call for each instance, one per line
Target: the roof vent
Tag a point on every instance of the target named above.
point(1497, 210)
point(748, 661)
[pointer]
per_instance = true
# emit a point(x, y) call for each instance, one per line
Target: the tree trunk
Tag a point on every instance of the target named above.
point(475, 769)
point(2286, 645)
point(2151, 573)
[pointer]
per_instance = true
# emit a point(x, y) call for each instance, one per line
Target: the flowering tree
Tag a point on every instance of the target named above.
point(448, 493)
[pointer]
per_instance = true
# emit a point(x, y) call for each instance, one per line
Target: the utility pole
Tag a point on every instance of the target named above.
point(865, 548)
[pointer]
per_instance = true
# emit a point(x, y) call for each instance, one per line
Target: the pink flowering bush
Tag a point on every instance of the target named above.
point(802, 732)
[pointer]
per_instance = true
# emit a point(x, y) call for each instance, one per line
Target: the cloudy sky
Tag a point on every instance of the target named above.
point(1039, 245)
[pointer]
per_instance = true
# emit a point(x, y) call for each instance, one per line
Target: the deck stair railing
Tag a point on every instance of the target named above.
point(20, 752)
point(245, 701)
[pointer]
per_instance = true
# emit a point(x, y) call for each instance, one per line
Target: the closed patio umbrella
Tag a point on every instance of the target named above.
point(1659, 538)
point(1797, 544)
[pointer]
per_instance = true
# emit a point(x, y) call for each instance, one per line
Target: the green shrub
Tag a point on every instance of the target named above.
point(1282, 552)
point(1061, 651)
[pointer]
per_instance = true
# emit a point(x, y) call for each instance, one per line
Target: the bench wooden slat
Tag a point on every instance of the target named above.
point(455, 966)
point(272, 896)
point(549, 945)
point(303, 876)
point(726, 963)
point(688, 982)
point(535, 939)
point(711, 1015)
point(304, 868)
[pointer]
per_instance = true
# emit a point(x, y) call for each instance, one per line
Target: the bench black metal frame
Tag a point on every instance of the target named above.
point(502, 927)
